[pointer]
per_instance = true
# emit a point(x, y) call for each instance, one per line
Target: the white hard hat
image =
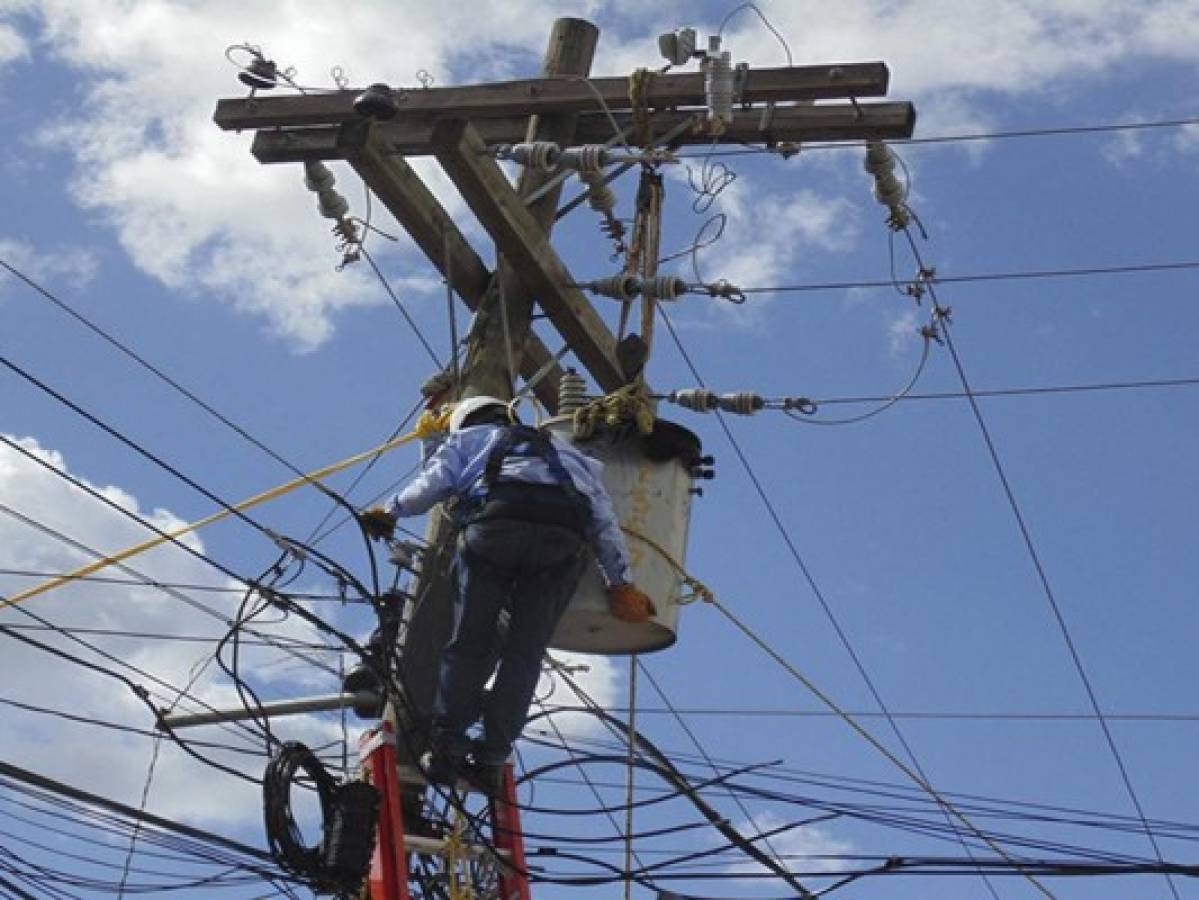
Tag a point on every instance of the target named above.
point(472, 405)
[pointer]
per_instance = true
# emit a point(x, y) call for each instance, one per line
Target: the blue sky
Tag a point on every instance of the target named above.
point(126, 201)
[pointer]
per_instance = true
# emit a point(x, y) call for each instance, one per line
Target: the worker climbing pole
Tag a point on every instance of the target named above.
point(428, 806)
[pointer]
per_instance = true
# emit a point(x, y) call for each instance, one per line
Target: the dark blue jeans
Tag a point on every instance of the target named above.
point(531, 570)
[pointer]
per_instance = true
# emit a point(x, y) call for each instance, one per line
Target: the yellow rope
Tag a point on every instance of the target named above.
point(455, 852)
point(157, 540)
point(630, 403)
point(700, 591)
point(639, 85)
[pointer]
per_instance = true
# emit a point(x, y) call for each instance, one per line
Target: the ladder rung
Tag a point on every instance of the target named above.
point(437, 847)
point(413, 775)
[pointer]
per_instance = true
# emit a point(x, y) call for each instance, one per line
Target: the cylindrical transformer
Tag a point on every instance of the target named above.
point(650, 481)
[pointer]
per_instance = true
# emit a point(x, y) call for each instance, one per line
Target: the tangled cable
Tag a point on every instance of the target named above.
point(349, 812)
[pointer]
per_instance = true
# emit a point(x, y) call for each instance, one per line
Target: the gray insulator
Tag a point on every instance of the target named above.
point(588, 158)
point(664, 287)
point(317, 176)
point(743, 403)
point(619, 287)
point(331, 204)
point(600, 196)
point(888, 190)
point(878, 158)
point(718, 87)
point(572, 392)
point(695, 399)
point(541, 155)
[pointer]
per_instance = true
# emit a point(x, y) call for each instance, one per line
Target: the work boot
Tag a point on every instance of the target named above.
point(486, 770)
point(441, 768)
point(488, 778)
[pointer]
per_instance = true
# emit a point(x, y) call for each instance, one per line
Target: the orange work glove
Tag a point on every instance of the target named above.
point(377, 522)
point(629, 603)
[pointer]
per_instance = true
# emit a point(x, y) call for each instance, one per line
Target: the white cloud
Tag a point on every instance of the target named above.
point(903, 331)
point(766, 235)
point(192, 208)
point(188, 202)
point(1187, 139)
point(12, 45)
point(1008, 46)
point(808, 848)
point(1122, 147)
point(73, 265)
point(114, 764)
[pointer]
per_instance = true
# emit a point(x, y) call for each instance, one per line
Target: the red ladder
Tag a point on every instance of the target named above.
point(388, 877)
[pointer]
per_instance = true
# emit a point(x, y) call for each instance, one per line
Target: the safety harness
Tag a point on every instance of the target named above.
point(561, 503)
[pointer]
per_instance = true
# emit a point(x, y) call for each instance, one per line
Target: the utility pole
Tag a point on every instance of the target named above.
point(496, 340)
point(460, 126)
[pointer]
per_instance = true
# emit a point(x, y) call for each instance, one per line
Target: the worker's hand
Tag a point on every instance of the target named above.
point(629, 603)
point(377, 522)
point(432, 422)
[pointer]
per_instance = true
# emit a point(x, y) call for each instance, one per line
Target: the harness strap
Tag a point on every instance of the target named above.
point(523, 440)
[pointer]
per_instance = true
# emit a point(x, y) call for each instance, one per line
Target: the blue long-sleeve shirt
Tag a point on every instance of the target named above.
point(454, 467)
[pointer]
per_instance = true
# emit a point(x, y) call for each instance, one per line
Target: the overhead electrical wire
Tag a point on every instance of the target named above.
point(101, 497)
point(203, 845)
point(925, 715)
point(917, 772)
point(1023, 391)
point(967, 137)
point(1038, 566)
point(983, 277)
point(149, 582)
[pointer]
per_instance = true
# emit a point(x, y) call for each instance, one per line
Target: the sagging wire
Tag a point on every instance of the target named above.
point(713, 179)
point(765, 21)
point(1038, 566)
point(260, 73)
point(801, 409)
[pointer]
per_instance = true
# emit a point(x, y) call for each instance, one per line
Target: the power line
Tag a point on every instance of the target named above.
point(398, 305)
point(10, 771)
point(1017, 275)
point(146, 364)
point(155, 583)
point(276, 643)
point(184, 391)
point(922, 778)
point(928, 715)
point(966, 137)
point(1024, 391)
point(171, 592)
point(1038, 566)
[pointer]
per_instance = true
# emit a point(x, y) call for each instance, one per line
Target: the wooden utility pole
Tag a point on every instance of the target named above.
point(571, 49)
point(458, 125)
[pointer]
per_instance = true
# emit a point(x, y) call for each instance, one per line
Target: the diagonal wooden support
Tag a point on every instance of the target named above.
point(463, 155)
point(560, 95)
point(408, 199)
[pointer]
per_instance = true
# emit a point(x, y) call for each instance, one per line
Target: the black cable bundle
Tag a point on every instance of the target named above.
point(349, 812)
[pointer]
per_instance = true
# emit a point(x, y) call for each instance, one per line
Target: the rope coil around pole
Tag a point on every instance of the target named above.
point(631, 403)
